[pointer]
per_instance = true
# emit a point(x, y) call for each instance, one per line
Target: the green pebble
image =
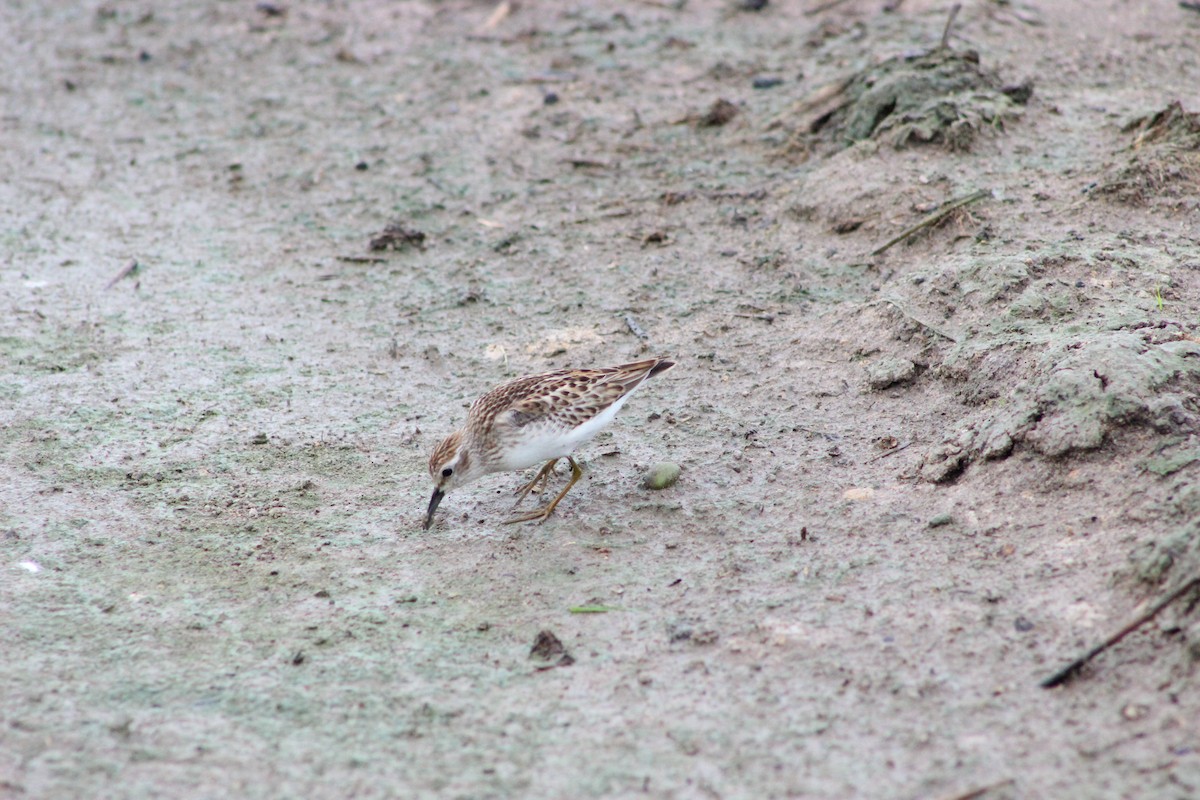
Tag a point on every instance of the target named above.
point(940, 520)
point(661, 475)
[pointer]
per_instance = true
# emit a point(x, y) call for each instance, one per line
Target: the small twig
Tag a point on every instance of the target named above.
point(1071, 670)
point(812, 12)
point(973, 794)
point(934, 218)
point(586, 163)
point(954, 9)
point(502, 10)
point(611, 215)
point(636, 329)
point(905, 312)
point(127, 270)
point(893, 451)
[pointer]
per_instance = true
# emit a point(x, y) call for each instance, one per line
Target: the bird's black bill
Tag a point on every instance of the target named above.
point(438, 494)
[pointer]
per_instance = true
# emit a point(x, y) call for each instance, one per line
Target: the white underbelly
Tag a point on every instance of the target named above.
point(543, 442)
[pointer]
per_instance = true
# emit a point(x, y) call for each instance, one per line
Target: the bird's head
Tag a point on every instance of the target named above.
point(450, 466)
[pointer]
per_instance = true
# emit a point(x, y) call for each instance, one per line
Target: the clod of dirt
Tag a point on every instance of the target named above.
point(680, 630)
point(1162, 555)
point(656, 238)
point(940, 97)
point(548, 648)
point(1175, 560)
point(1163, 163)
point(395, 236)
point(1178, 549)
point(1077, 394)
point(889, 372)
point(684, 630)
point(1164, 464)
point(1019, 93)
point(719, 113)
point(1172, 125)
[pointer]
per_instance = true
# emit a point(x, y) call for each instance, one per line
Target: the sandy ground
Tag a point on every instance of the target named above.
point(915, 482)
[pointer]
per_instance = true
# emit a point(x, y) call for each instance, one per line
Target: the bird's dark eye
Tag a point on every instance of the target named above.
point(447, 472)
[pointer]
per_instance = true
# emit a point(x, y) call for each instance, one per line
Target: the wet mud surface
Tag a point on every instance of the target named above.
point(258, 259)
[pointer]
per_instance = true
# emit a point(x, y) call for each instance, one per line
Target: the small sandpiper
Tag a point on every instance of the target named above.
point(533, 419)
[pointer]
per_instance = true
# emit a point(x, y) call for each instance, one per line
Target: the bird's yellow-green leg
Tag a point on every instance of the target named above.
point(542, 514)
point(543, 476)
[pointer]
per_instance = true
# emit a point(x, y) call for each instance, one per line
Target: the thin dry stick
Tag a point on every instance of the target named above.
point(502, 10)
point(610, 215)
point(823, 7)
point(893, 451)
point(934, 218)
point(954, 9)
point(973, 794)
point(127, 270)
point(1071, 670)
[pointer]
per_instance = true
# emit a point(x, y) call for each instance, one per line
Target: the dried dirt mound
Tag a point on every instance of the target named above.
point(938, 97)
point(1173, 559)
point(1162, 164)
point(1079, 391)
point(1178, 552)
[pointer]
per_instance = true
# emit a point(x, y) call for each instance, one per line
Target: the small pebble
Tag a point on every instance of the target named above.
point(718, 114)
point(766, 83)
point(661, 475)
point(940, 520)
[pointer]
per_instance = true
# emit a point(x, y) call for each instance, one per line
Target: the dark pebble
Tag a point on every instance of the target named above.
point(766, 83)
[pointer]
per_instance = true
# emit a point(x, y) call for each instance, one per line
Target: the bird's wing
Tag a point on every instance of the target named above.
point(566, 396)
